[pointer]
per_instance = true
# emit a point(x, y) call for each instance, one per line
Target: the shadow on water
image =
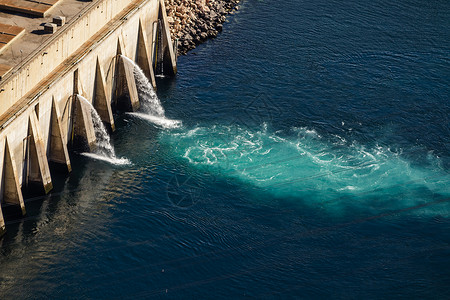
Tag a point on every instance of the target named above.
point(72, 194)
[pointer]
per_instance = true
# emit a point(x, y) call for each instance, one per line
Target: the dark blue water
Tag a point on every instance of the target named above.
point(313, 162)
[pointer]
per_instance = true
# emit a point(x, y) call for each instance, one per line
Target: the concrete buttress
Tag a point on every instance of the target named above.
point(58, 152)
point(12, 194)
point(83, 126)
point(36, 159)
point(144, 59)
point(169, 58)
point(102, 102)
point(125, 82)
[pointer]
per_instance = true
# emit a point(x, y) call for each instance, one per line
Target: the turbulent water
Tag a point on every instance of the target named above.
point(151, 108)
point(313, 161)
point(104, 149)
point(333, 174)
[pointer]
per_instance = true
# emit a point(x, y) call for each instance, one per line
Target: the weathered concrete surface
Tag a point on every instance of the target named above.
point(40, 113)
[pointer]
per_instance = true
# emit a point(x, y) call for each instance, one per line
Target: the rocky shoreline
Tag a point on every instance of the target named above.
point(194, 21)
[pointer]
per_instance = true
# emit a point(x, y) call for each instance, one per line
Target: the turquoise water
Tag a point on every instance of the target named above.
point(331, 174)
point(309, 157)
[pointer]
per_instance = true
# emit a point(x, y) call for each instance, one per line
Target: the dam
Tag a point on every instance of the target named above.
point(303, 152)
point(55, 55)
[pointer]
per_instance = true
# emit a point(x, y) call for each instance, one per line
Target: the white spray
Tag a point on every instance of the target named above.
point(105, 150)
point(150, 103)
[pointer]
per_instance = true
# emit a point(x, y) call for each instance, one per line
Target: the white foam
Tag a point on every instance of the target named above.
point(112, 160)
point(160, 121)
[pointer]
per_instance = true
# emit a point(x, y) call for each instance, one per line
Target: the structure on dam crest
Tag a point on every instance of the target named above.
point(52, 52)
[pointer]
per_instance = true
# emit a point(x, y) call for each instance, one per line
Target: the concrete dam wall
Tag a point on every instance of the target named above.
point(41, 114)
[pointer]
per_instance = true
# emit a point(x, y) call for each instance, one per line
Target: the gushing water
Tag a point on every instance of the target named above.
point(105, 150)
point(152, 110)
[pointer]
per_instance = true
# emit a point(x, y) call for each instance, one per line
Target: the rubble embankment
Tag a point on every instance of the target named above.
point(193, 22)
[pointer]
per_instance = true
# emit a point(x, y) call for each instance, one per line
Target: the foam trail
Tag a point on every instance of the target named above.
point(151, 107)
point(105, 150)
point(327, 173)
